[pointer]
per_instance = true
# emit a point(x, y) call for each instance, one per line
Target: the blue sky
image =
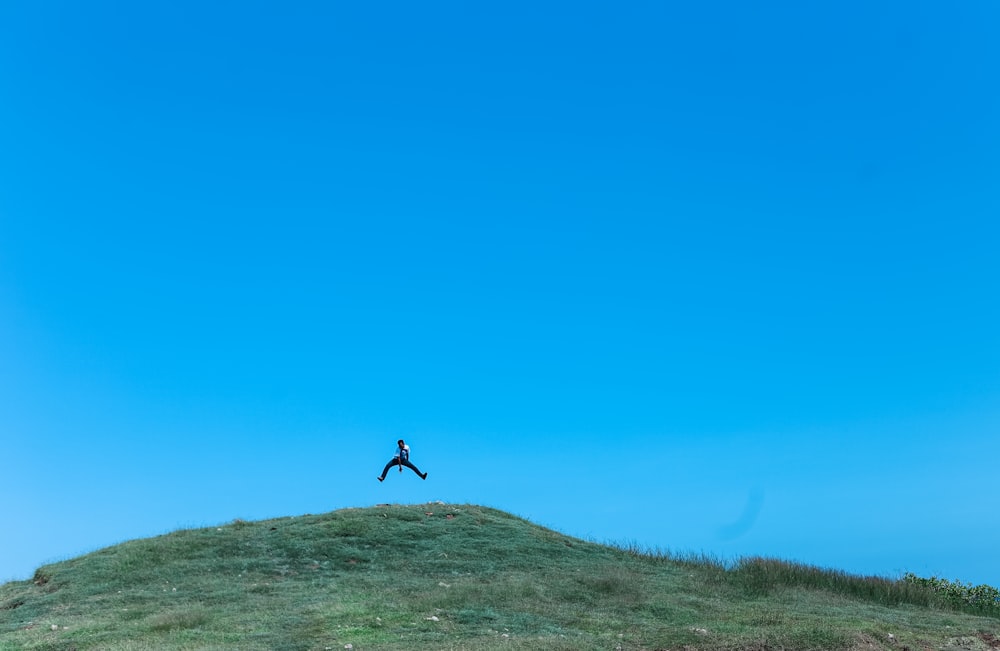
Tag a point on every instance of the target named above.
point(706, 277)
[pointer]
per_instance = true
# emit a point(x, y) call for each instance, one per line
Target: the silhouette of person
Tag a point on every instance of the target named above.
point(401, 458)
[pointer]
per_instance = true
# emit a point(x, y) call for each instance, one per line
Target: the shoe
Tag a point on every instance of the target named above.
point(380, 478)
point(423, 476)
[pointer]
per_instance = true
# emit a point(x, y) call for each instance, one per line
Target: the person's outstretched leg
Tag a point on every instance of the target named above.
point(394, 462)
point(406, 462)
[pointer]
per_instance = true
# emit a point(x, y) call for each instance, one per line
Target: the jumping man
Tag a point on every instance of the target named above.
point(401, 458)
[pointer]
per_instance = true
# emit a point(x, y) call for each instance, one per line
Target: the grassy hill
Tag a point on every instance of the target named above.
point(437, 576)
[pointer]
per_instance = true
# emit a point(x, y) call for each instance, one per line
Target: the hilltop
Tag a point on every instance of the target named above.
point(442, 576)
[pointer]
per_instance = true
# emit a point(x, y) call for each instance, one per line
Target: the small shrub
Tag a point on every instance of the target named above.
point(177, 621)
point(984, 597)
point(350, 528)
point(477, 616)
point(616, 586)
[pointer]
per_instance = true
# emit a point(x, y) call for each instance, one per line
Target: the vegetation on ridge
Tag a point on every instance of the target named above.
point(440, 576)
point(983, 597)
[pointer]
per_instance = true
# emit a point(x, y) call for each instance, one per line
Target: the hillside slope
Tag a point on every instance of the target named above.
point(439, 576)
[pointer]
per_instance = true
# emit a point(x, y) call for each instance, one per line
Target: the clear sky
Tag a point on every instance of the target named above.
point(711, 277)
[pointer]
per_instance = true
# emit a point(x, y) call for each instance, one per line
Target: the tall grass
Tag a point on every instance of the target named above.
point(761, 576)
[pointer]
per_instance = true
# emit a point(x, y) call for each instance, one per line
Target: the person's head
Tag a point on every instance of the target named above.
point(400, 443)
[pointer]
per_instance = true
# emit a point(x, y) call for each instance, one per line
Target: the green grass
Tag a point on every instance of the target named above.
point(457, 577)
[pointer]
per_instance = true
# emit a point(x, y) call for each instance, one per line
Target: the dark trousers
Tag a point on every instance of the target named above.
point(396, 461)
